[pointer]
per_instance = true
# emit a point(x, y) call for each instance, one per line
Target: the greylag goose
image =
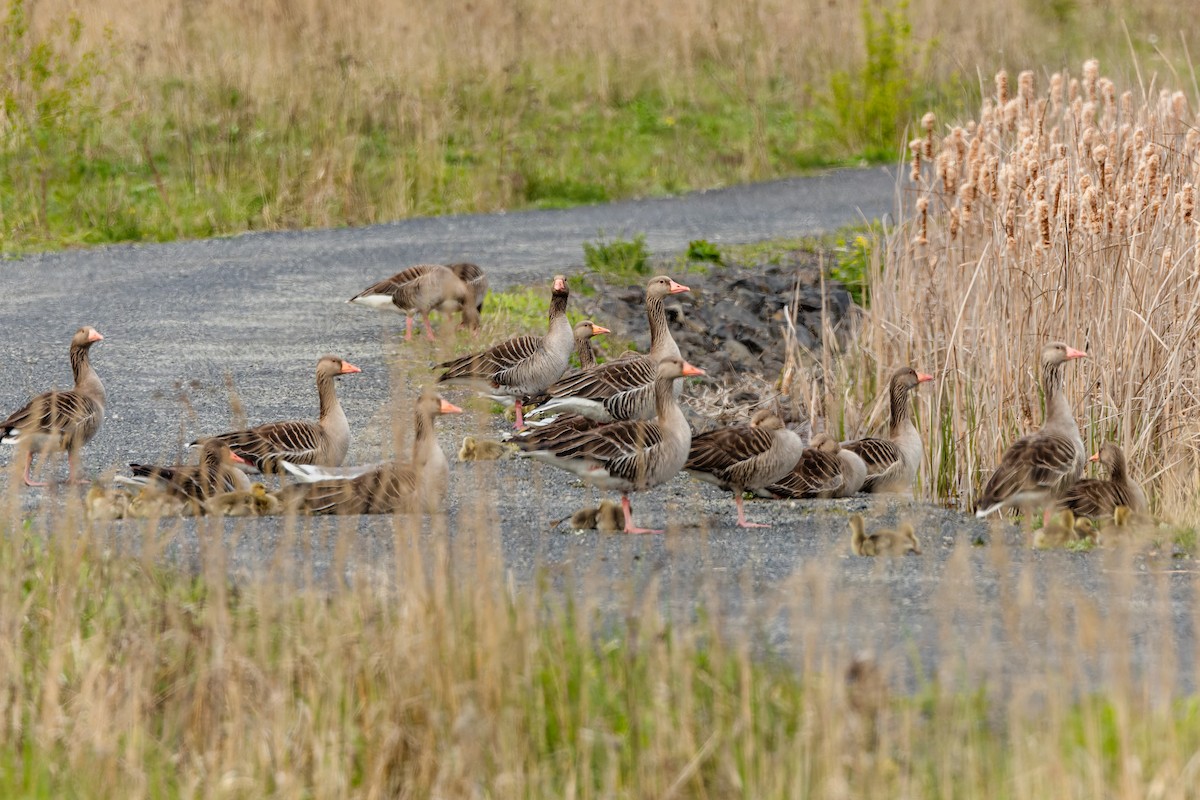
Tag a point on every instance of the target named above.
point(632, 455)
point(606, 517)
point(153, 503)
point(384, 488)
point(1066, 530)
point(622, 389)
point(475, 278)
point(1039, 468)
point(584, 331)
point(883, 542)
point(483, 449)
point(745, 457)
point(217, 472)
point(63, 419)
point(824, 469)
point(524, 365)
point(324, 442)
point(419, 290)
point(253, 502)
point(892, 462)
point(106, 503)
point(1091, 497)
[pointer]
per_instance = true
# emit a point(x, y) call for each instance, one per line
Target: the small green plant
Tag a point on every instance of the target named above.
point(620, 256)
point(703, 250)
point(854, 248)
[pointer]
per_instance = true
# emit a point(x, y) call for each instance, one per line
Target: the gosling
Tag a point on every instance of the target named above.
point(483, 449)
point(107, 504)
point(257, 502)
point(1064, 530)
point(883, 542)
point(607, 517)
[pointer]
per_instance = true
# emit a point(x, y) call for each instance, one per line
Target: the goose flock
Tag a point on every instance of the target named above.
point(617, 426)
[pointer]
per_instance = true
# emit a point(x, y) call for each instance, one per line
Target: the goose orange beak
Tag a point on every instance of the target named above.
point(690, 371)
point(676, 288)
point(238, 459)
point(446, 407)
point(348, 368)
point(599, 329)
point(1073, 353)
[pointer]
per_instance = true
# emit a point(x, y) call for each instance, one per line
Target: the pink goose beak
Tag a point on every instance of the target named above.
point(237, 459)
point(922, 377)
point(348, 368)
point(1073, 353)
point(676, 288)
point(599, 329)
point(691, 372)
point(446, 407)
point(94, 336)
point(1095, 457)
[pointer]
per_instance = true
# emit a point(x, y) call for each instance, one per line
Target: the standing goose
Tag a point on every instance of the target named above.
point(622, 389)
point(475, 278)
point(63, 419)
point(892, 462)
point(825, 469)
point(1039, 468)
point(216, 473)
point(628, 456)
point(419, 290)
point(1091, 497)
point(324, 442)
point(584, 331)
point(384, 488)
point(521, 366)
point(745, 457)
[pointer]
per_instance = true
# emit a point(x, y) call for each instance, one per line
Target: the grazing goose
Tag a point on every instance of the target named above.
point(383, 488)
point(745, 457)
point(64, 419)
point(217, 472)
point(883, 542)
point(628, 456)
point(584, 331)
point(824, 469)
point(1091, 497)
point(892, 462)
point(253, 502)
point(324, 442)
point(623, 388)
point(1039, 468)
point(476, 279)
point(521, 366)
point(421, 289)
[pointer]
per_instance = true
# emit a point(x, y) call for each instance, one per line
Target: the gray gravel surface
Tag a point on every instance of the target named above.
point(185, 321)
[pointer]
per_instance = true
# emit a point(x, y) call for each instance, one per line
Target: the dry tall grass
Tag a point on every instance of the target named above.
point(1065, 211)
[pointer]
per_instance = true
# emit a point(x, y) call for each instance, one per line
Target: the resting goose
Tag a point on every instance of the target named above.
point(61, 420)
point(824, 469)
point(892, 462)
point(475, 278)
point(883, 542)
point(324, 442)
point(217, 472)
point(1091, 497)
point(622, 389)
point(384, 488)
point(745, 457)
point(1039, 468)
point(521, 366)
point(421, 289)
point(628, 456)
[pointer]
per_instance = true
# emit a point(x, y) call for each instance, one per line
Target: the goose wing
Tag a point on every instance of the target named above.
point(816, 473)
point(728, 453)
point(484, 365)
point(1040, 463)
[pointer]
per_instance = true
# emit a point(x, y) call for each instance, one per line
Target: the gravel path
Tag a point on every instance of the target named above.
point(179, 318)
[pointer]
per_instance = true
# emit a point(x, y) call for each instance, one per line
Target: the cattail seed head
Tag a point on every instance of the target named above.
point(923, 221)
point(1043, 215)
point(1091, 73)
point(915, 147)
point(1002, 88)
point(1187, 204)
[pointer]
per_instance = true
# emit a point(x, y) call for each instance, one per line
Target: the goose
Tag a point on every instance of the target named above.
point(607, 517)
point(584, 331)
point(1066, 529)
point(745, 457)
point(1039, 468)
point(153, 502)
point(483, 449)
point(632, 455)
point(521, 366)
point(475, 278)
point(217, 472)
point(63, 420)
point(892, 462)
point(1091, 497)
point(622, 389)
point(253, 502)
point(421, 289)
point(324, 442)
point(883, 542)
point(382, 488)
point(825, 469)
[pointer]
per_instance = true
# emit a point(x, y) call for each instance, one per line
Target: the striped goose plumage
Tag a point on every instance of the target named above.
point(892, 462)
point(423, 288)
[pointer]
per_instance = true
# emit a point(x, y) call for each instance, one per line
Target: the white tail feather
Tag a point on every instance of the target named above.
point(311, 473)
point(591, 409)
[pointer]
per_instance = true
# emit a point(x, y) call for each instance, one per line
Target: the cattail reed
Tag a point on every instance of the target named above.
point(916, 146)
point(1001, 88)
point(929, 122)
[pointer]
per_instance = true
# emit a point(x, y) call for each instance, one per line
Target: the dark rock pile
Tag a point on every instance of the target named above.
point(734, 322)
